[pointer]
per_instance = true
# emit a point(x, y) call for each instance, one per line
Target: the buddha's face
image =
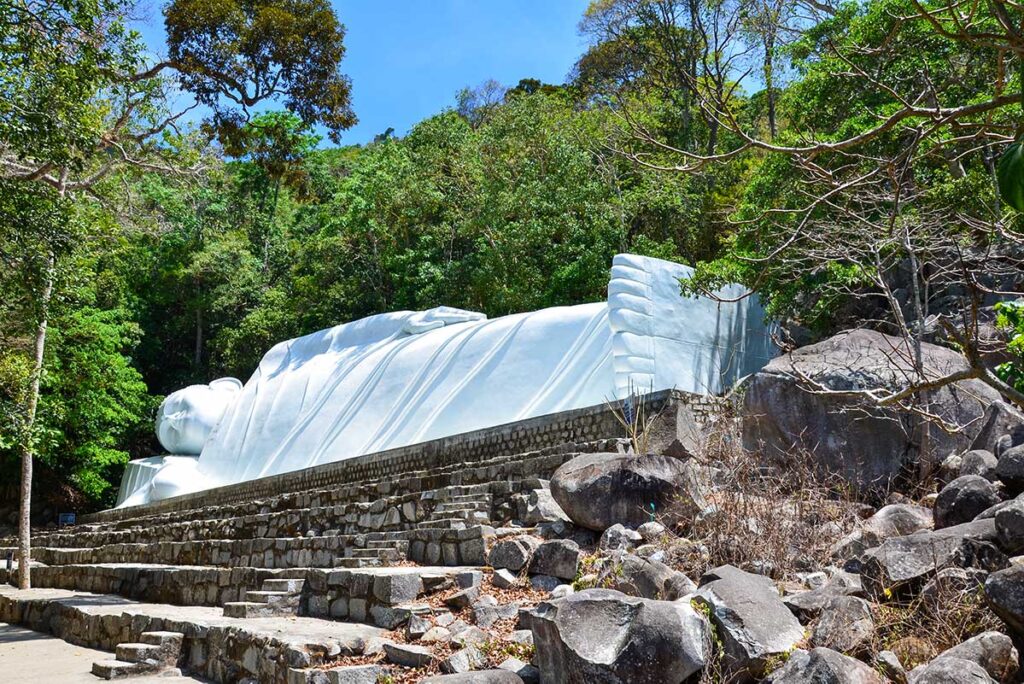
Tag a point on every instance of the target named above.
point(187, 417)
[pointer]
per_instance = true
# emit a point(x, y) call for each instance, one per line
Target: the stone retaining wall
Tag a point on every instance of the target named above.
point(534, 434)
point(221, 654)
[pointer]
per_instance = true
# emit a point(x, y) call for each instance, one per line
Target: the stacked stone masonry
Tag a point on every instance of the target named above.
point(433, 510)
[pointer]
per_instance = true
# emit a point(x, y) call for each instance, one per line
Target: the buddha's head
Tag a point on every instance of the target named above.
point(187, 417)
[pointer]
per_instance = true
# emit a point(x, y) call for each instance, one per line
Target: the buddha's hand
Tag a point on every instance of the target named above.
point(422, 321)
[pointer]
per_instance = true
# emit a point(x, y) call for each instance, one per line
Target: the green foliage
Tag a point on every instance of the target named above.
point(231, 54)
point(1010, 315)
point(1010, 173)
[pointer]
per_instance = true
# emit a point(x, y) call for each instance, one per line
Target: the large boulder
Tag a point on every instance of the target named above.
point(989, 654)
point(600, 636)
point(823, 666)
point(1003, 428)
point(754, 625)
point(894, 520)
point(910, 561)
point(964, 499)
point(1004, 592)
point(867, 444)
point(597, 491)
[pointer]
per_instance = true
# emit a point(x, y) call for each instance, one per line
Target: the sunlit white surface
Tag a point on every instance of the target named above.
point(406, 377)
point(187, 417)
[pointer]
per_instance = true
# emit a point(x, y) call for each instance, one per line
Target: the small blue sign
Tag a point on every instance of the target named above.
point(66, 519)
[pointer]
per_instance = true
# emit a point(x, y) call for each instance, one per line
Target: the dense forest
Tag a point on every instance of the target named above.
point(842, 160)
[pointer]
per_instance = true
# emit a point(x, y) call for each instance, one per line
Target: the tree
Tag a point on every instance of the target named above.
point(80, 106)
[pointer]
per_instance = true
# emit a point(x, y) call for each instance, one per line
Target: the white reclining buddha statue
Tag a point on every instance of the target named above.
point(400, 378)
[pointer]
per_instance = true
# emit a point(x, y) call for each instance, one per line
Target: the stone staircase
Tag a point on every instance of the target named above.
point(281, 579)
point(157, 652)
point(278, 597)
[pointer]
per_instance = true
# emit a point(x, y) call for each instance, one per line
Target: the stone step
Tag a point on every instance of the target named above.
point(271, 597)
point(136, 653)
point(469, 498)
point(358, 562)
point(162, 638)
point(291, 586)
point(442, 524)
point(249, 609)
point(461, 507)
point(388, 554)
point(119, 669)
point(398, 544)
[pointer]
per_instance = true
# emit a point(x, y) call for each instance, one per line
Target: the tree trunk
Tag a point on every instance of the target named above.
point(199, 337)
point(24, 522)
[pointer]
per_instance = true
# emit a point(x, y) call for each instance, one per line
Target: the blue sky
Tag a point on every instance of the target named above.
point(408, 58)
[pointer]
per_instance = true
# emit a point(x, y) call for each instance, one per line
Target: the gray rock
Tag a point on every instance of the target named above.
point(469, 578)
point(528, 673)
point(906, 562)
point(1001, 420)
point(823, 666)
point(544, 582)
point(464, 660)
point(416, 627)
point(462, 599)
point(949, 469)
point(561, 591)
point(513, 554)
point(963, 499)
point(895, 520)
point(600, 635)
point(749, 618)
point(645, 578)
point(807, 605)
point(993, 651)
point(542, 507)
point(503, 579)
point(1010, 526)
point(979, 462)
point(651, 531)
point(618, 537)
point(558, 558)
point(356, 674)
point(599, 490)
point(868, 445)
point(408, 655)
point(845, 625)
point(478, 677)
point(1004, 592)
point(1010, 469)
point(950, 671)
point(950, 582)
point(888, 663)
point(397, 588)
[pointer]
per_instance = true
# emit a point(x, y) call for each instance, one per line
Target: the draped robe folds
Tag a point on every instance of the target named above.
point(406, 377)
